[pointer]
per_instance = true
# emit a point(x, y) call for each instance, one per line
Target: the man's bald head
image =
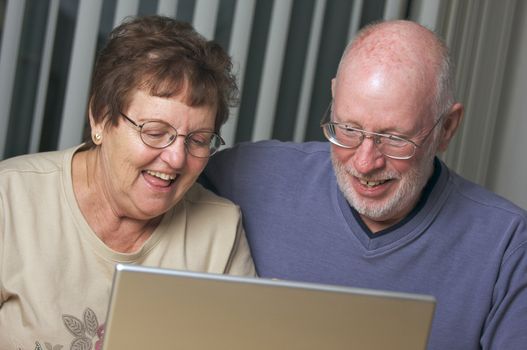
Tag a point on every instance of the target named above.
point(406, 49)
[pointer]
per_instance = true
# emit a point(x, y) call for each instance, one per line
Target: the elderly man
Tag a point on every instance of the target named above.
point(375, 208)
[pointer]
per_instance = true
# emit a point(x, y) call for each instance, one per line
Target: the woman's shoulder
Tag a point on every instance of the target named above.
point(35, 162)
point(260, 158)
point(199, 195)
point(210, 215)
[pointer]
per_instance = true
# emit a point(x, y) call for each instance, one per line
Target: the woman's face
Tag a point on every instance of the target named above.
point(141, 182)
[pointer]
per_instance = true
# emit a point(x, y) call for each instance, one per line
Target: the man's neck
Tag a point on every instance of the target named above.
point(378, 225)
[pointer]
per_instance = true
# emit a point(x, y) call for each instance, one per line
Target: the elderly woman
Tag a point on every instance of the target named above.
point(160, 93)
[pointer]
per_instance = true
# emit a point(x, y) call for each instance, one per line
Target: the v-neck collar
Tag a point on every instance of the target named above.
point(412, 225)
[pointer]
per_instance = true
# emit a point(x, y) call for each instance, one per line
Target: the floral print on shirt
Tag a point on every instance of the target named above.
point(87, 333)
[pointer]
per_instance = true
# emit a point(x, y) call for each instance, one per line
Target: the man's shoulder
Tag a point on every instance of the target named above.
point(284, 146)
point(273, 156)
point(483, 198)
point(277, 151)
point(265, 163)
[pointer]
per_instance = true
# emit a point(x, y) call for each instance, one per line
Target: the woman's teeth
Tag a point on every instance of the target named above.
point(162, 176)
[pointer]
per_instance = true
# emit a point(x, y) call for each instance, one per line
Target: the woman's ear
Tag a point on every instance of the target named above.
point(450, 124)
point(97, 128)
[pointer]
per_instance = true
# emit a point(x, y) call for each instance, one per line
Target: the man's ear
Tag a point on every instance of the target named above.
point(450, 124)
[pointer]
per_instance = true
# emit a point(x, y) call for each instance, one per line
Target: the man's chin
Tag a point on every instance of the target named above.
point(375, 209)
point(373, 213)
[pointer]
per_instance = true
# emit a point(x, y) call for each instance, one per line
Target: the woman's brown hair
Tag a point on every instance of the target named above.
point(164, 57)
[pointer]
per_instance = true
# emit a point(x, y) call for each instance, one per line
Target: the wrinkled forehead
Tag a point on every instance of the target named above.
point(376, 96)
point(380, 82)
point(394, 80)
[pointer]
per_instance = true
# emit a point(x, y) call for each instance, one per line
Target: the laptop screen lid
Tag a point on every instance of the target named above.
point(154, 308)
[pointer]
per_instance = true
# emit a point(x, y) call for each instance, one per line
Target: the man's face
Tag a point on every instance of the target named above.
point(381, 189)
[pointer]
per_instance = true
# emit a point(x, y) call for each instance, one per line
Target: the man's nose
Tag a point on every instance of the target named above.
point(367, 155)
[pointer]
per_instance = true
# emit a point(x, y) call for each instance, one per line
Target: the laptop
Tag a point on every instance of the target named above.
point(154, 308)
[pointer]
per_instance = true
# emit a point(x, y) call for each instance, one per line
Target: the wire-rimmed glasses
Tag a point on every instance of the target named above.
point(159, 134)
point(392, 146)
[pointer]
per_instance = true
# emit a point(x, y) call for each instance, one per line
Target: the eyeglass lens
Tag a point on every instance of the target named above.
point(389, 145)
point(200, 144)
point(347, 137)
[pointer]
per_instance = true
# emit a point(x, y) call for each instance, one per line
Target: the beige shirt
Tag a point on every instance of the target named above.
point(56, 274)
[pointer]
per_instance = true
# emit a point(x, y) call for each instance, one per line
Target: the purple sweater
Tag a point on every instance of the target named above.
point(463, 244)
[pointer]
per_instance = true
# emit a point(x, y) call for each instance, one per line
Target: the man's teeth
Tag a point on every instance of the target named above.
point(372, 183)
point(162, 176)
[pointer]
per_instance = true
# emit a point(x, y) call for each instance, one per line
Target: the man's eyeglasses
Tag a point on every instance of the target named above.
point(343, 135)
point(158, 134)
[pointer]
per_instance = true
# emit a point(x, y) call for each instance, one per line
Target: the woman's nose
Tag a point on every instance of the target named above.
point(176, 155)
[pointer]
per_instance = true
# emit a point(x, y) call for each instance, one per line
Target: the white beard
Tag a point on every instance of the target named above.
point(406, 196)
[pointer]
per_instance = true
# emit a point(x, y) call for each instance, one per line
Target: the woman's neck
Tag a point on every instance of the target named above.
point(117, 231)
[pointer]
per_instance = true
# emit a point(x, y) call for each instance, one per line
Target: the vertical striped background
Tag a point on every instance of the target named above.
point(285, 53)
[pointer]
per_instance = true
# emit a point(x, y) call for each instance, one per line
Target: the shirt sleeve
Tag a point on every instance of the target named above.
point(505, 327)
